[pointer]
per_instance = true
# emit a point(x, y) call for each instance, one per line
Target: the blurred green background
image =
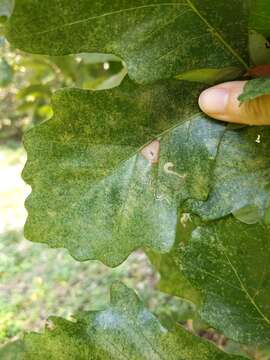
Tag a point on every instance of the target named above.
point(36, 282)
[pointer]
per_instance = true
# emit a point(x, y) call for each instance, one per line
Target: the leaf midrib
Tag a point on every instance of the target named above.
point(157, 137)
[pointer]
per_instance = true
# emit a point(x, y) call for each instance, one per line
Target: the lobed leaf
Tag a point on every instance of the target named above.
point(172, 279)
point(111, 171)
point(125, 330)
point(98, 189)
point(241, 179)
point(156, 39)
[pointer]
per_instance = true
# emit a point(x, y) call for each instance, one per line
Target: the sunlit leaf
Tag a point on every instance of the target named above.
point(241, 179)
point(125, 330)
point(100, 187)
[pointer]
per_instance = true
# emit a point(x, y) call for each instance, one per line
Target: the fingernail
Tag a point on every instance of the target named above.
point(214, 100)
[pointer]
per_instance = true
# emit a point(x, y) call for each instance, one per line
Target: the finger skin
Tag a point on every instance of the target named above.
point(255, 112)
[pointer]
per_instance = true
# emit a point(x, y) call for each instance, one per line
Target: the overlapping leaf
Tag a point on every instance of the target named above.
point(63, 152)
point(126, 330)
point(95, 191)
point(255, 88)
point(229, 262)
point(102, 188)
point(172, 279)
point(156, 39)
point(258, 48)
point(241, 180)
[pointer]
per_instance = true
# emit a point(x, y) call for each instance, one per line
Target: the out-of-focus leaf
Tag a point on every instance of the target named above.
point(12, 351)
point(96, 58)
point(6, 73)
point(68, 66)
point(112, 81)
point(34, 90)
point(6, 8)
point(45, 112)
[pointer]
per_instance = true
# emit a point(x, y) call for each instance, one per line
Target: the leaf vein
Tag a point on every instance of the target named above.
point(251, 299)
point(217, 34)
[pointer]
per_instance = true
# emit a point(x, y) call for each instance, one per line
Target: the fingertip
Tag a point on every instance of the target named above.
point(221, 101)
point(214, 100)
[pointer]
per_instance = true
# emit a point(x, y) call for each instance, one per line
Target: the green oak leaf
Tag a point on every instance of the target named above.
point(101, 186)
point(211, 76)
point(172, 279)
point(125, 330)
point(156, 39)
point(260, 16)
point(241, 179)
point(228, 261)
point(254, 89)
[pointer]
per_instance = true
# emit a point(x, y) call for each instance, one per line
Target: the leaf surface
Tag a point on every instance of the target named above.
point(260, 16)
point(156, 39)
point(97, 190)
point(125, 330)
point(241, 179)
point(255, 88)
point(259, 49)
point(229, 262)
point(172, 279)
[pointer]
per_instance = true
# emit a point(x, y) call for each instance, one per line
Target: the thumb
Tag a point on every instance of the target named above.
point(221, 103)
